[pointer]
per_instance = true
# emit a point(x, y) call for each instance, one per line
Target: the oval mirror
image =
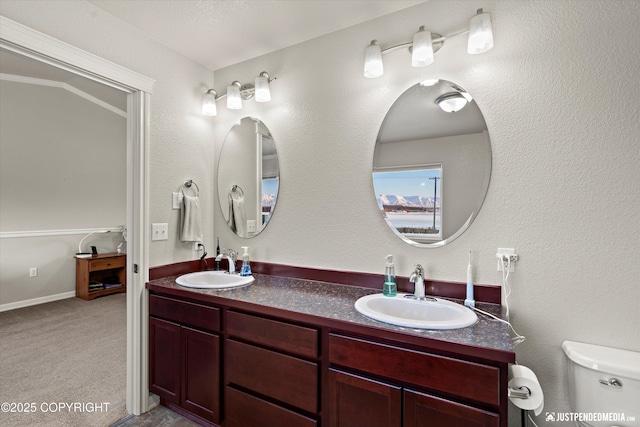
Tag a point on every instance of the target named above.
point(248, 177)
point(432, 163)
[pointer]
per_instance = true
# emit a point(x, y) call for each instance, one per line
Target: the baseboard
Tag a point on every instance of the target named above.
point(36, 301)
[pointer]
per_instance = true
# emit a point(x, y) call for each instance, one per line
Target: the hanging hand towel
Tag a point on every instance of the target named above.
point(237, 216)
point(190, 223)
point(241, 217)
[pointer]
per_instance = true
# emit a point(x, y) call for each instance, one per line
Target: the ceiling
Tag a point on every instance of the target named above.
point(219, 33)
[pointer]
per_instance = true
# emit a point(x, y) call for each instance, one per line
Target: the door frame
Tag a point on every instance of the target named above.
point(36, 45)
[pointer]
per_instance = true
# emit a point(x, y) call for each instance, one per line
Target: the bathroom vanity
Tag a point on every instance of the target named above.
point(292, 352)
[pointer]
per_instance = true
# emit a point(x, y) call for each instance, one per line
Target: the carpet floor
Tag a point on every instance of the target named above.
point(63, 363)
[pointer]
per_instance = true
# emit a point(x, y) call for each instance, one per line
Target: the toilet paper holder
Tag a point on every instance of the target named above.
point(519, 393)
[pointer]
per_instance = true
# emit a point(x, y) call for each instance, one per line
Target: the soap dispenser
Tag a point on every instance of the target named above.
point(389, 288)
point(246, 268)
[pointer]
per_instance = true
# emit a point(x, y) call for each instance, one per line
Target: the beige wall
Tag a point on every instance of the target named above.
point(558, 93)
point(63, 167)
point(181, 138)
point(560, 96)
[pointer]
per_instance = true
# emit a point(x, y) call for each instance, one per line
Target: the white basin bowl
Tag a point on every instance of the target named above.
point(411, 313)
point(213, 280)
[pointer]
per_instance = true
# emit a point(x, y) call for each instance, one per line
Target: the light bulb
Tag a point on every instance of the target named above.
point(422, 50)
point(209, 103)
point(480, 33)
point(373, 61)
point(234, 102)
point(263, 94)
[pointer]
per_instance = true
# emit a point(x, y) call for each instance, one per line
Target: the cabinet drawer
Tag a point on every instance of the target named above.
point(271, 333)
point(186, 313)
point(107, 263)
point(284, 378)
point(458, 377)
point(422, 409)
point(244, 410)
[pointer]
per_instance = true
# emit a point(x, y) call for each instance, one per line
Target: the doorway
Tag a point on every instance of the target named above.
point(32, 44)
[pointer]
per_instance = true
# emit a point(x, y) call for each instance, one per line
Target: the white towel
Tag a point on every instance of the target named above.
point(237, 216)
point(190, 222)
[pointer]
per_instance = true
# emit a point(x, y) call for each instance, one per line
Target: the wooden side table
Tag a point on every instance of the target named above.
point(100, 275)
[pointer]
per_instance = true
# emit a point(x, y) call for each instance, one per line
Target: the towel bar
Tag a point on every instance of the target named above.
point(188, 183)
point(236, 188)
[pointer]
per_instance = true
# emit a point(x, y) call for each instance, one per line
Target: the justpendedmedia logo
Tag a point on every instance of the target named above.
point(587, 417)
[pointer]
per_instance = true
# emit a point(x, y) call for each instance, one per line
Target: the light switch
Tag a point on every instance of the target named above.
point(176, 200)
point(160, 231)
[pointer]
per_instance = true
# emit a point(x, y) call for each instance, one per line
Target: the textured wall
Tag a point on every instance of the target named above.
point(560, 96)
point(558, 93)
point(181, 138)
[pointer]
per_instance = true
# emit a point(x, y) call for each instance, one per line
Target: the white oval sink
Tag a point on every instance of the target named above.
point(213, 280)
point(411, 313)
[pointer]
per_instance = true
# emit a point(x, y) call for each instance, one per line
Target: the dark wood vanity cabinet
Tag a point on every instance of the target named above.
point(366, 400)
point(271, 371)
point(236, 366)
point(184, 356)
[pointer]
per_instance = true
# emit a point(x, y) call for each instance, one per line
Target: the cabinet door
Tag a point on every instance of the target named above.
point(361, 402)
point(423, 410)
point(164, 359)
point(201, 373)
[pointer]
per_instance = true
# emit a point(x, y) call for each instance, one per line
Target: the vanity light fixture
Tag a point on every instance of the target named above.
point(263, 93)
point(209, 103)
point(425, 44)
point(237, 92)
point(234, 101)
point(422, 52)
point(480, 33)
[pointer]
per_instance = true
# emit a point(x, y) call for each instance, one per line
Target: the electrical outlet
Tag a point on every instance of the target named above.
point(196, 246)
point(503, 263)
point(160, 231)
point(33, 272)
point(176, 199)
point(251, 226)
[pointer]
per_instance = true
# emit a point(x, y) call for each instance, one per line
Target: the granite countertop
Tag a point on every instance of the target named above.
point(334, 301)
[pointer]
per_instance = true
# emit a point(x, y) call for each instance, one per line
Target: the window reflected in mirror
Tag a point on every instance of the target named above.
point(410, 201)
point(269, 197)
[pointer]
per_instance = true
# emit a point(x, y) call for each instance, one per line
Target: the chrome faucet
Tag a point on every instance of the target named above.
point(417, 278)
point(231, 257)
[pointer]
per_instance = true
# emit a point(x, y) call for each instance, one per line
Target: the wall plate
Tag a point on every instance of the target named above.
point(511, 253)
point(160, 231)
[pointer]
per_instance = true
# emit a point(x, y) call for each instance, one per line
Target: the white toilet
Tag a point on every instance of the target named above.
point(604, 383)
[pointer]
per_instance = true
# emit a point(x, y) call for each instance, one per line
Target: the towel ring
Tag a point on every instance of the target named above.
point(236, 189)
point(188, 183)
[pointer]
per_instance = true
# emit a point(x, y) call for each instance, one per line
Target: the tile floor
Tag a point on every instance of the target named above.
point(157, 417)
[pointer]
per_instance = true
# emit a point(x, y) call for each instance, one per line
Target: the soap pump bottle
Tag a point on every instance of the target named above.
point(389, 288)
point(246, 268)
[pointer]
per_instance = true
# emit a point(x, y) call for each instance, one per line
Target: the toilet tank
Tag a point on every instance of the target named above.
point(603, 382)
